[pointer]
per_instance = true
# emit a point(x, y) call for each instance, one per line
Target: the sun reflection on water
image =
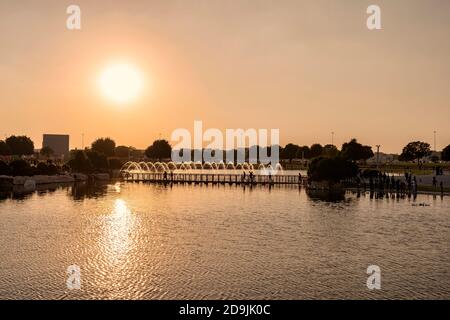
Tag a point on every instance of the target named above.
point(118, 232)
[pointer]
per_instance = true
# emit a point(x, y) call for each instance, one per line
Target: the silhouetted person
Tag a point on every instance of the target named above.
point(441, 184)
point(403, 187)
point(414, 186)
point(434, 182)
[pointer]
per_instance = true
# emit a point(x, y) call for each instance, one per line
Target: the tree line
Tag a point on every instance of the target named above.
point(104, 154)
point(352, 150)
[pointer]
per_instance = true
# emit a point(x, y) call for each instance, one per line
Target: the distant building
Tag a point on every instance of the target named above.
point(383, 158)
point(59, 143)
point(434, 156)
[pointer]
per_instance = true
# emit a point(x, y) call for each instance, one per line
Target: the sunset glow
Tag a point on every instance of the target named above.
point(121, 83)
point(224, 159)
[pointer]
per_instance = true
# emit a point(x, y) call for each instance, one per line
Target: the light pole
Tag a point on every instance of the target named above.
point(332, 138)
point(434, 132)
point(378, 154)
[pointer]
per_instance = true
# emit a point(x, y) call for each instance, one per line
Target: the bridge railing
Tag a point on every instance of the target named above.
point(213, 178)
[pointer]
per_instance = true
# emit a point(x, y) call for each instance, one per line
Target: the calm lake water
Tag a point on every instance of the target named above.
point(141, 241)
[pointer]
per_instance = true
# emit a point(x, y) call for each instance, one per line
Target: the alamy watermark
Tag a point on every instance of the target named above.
point(236, 146)
point(73, 21)
point(374, 279)
point(374, 20)
point(74, 277)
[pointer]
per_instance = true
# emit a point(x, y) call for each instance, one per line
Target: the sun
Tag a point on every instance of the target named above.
point(121, 83)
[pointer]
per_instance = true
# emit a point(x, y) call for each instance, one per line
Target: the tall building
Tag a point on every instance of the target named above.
point(59, 143)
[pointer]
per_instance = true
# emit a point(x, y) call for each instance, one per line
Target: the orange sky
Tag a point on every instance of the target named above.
point(305, 67)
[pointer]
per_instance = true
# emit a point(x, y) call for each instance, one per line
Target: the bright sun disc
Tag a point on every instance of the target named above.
point(121, 83)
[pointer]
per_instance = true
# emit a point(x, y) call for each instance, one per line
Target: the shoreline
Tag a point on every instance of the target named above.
point(30, 183)
point(435, 193)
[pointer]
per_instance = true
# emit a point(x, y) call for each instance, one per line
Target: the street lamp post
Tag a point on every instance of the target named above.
point(378, 155)
point(434, 132)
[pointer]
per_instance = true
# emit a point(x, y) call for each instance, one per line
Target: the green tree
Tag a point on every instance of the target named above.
point(115, 163)
point(47, 152)
point(289, 152)
point(46, 169)
point(434, 158)
point(97, 159)
point(415, 150)
point(20, 145)
point(316, 150)
point(79, 162)
point(160, 149)
point(4, 149)
point(123, 151)
point(4, 168)
point(303, 152)
point(42, 168)
point(20, 168)
point(445, 155)
point(106, 146)
point(332, 170)
point(355, 151)
point(330, 151)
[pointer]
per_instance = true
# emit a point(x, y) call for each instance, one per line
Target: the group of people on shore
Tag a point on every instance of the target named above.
point(165, 175)
point(438, 171)
point(251, 177)
point(380, 182)
point(384, 182)
point(441, 184)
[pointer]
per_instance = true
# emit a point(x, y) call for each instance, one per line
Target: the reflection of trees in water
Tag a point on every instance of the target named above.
point(78, 191)
point(333, 195)
point(19, 192)
point(85, 190)
point(339, 195)
point(44, 189)
point(5, 195)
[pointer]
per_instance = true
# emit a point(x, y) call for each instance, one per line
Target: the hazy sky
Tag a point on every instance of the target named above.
point(305, 67)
